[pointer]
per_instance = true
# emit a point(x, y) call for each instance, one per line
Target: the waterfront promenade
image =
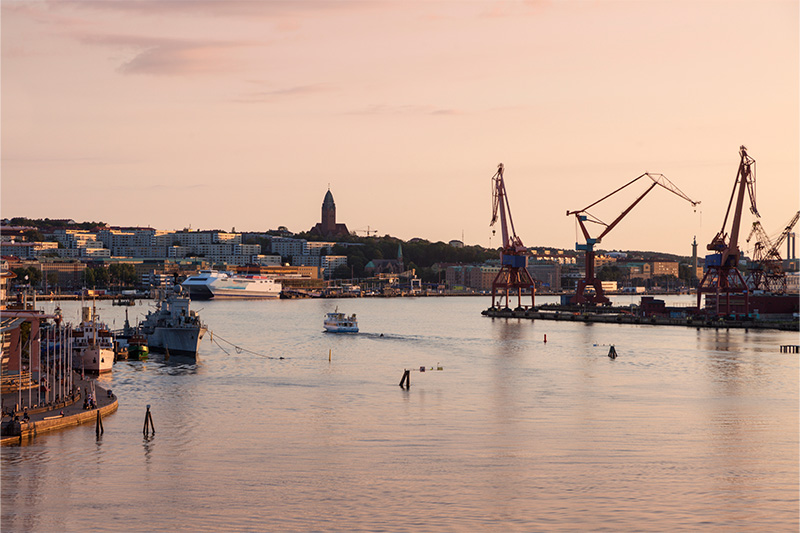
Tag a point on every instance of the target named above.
point(53, 416)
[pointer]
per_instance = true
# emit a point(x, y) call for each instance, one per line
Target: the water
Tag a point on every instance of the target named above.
point(687, 429)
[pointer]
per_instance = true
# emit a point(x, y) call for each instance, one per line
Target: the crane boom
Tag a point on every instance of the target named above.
point(501, 208)
point(582, 216)
point(785, 233)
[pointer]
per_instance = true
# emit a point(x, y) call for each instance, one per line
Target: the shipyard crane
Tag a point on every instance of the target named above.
point(513, 274)
point(582, 296)
point(766, 271)
point(722, 276)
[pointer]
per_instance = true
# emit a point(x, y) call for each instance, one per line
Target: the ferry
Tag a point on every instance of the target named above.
point(337, 322)
point(93, 344)
point(208, 284)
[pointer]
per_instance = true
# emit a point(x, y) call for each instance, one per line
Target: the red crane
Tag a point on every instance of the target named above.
point(513, 273)
point(766, 268)
point(722, 276)
point(598, 297)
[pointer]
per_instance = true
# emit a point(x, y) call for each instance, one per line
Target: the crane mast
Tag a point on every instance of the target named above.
point(722, 277)
point(513, 274)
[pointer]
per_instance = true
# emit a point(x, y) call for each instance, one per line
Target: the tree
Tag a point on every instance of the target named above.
point(341, 272)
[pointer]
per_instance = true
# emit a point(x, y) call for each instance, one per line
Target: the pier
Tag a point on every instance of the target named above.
point(50, 417)
point(614, 317)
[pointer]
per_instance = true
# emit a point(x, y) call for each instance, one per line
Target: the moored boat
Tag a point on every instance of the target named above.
point(208, 284)
point(172, 327)
point(137, 347)
point(92, 344)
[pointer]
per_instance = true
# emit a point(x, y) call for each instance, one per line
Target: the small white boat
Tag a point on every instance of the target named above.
point(337, 322)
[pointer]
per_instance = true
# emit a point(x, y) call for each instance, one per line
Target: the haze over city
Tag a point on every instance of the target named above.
point(241, 114)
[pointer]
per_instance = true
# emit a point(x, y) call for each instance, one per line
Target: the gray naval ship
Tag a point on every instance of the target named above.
point(172, 327)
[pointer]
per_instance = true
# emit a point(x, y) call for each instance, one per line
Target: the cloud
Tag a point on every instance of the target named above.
point(382, 109)
point(170, 57)
point(214, 8)
point(286, 92)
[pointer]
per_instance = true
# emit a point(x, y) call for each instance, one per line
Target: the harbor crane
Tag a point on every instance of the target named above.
point(368, 232)
point(513, 274)
point(722, 276)
point(582, 296)
point(766, 270)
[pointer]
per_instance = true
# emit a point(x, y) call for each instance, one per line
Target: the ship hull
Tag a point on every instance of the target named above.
point(175, 341)
point(93, 359)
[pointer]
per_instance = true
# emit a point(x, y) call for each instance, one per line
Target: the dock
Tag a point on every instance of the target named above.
point(626, 318)
point(54, 416)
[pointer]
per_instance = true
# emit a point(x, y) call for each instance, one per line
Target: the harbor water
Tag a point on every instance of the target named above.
point(281, 427)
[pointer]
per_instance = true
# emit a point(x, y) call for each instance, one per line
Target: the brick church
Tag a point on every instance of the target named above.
point(328, 227)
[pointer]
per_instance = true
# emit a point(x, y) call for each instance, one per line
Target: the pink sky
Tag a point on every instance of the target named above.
point(240, 113)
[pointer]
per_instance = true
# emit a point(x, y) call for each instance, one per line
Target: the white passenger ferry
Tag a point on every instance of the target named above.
point(209, 284)
point(337, 322)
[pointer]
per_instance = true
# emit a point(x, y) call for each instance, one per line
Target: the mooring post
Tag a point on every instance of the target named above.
point(98, 429)
point(612, 353)
point(148, 422)
point(406, 380)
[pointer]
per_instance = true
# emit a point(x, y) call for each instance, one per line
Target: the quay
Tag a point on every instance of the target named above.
point(50, 417)
point(613, 317)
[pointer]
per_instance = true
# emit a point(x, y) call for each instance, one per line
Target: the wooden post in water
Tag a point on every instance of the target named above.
point(148, 423)
point(99, 424)
point(406, 379)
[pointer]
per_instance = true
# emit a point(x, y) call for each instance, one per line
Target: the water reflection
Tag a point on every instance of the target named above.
point(681, 431)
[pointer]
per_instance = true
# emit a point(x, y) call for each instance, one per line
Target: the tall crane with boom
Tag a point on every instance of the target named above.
point(722, 276)
point(582, 297)
point(513, 274)
point(766, 269)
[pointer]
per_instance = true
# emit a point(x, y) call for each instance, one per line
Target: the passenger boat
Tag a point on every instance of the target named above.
point(337, 322)
point(209, 284)
point(92, 344)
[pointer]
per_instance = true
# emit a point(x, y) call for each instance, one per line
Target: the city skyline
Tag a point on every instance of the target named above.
point(240, 114)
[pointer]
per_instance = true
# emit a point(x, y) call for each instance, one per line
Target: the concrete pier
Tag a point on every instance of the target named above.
point(621, 318)
point(43, 418)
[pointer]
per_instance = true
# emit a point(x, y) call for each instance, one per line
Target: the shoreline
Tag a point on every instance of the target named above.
point(43, 419)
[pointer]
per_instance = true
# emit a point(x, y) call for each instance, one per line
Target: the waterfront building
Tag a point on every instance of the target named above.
point(665, 268)
point(327, 263)
point(793, 282)
point(328, 227)
point(475, 277)
point(548, 273)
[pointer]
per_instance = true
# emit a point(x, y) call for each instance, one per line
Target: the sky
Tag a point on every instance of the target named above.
point(240, 114)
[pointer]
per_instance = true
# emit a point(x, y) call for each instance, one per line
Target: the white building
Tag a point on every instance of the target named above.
point(286, 247)
point(793, 282)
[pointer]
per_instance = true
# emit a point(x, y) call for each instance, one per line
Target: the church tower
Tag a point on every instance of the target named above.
point(327, 227)
point(328, 214)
